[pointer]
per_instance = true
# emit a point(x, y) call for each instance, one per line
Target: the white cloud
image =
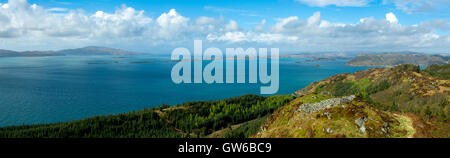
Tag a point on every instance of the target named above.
point(171, 24)
point(293, 25)
point(221, 10)
point(391, 18)
point(339, 3)
point(30, 27)
point(407, 6)
point(314, 19)
point(203, 20)
point(315, 34)
point(260, 27)
point(289, 23)
point(23, 21)
point(415, 6)
point(232, 26)
point(205, 25)
point(124, 22)
point(440, 24)
point(252, 37)
point(57, 9)
point(229, 37)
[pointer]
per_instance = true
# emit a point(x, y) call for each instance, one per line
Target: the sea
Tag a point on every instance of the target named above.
point(38, 90)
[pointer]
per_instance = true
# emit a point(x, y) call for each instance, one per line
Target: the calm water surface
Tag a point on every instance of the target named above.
point(53, 89)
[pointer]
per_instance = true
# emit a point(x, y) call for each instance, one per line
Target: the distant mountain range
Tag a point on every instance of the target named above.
point(91, 50)
point(326, 55)
point(393, 59)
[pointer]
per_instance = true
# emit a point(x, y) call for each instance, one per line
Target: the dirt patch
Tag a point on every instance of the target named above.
point(422, 128)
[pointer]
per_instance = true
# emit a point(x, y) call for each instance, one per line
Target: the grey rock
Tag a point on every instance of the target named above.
point(360, 123)
point(329, 103)
point(329, 130)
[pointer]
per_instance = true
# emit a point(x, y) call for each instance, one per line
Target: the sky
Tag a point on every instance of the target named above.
point(292, 25)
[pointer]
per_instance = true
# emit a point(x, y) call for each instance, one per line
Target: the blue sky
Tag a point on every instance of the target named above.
point(293, 25)
point(250, 12)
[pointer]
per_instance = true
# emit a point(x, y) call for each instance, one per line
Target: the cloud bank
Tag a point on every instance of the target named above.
point(25, 26)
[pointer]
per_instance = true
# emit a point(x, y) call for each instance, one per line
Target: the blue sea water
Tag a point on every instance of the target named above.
point(36, 90)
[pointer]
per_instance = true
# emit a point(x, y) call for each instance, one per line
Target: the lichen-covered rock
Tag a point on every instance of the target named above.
point(360, 123)
point(329, 103)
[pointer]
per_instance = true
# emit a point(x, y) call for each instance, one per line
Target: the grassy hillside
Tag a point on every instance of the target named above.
point(404, 88)
point(440, 72)
point(192, 119)
point(397, 98)
point(353, 119)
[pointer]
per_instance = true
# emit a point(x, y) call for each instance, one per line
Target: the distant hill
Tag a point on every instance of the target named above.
point(393, 59)
point(5, 53)
point(9, 53)
point(321, 56)
point(91, 50)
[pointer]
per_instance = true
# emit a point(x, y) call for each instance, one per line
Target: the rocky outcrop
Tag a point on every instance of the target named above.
point(329, 103)
point(360, 123)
